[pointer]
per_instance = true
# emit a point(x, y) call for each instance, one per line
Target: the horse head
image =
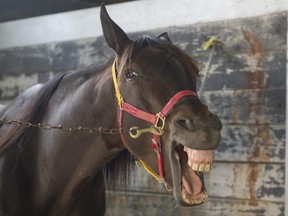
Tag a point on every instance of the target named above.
point(156, 86)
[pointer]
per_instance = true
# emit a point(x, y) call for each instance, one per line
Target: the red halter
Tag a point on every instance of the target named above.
point(157, 121)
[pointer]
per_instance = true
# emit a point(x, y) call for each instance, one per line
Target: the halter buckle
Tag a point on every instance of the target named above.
point(160, 122)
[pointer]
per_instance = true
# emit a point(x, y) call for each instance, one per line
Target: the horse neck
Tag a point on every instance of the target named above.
point(86, 100)
point(62, 161)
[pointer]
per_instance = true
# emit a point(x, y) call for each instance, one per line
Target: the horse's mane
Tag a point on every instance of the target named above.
point(166, 45)
point(32, 113)
point(117, 172)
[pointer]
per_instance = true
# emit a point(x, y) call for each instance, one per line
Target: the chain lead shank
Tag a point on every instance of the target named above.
point(60, 127)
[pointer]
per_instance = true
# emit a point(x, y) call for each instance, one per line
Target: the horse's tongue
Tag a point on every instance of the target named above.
point(191, 182)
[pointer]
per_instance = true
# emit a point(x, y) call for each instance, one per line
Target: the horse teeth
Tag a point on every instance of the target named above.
point(204, 197)
point(195, 166)
point(184, 196)
point(201, 167)
point(208, 167)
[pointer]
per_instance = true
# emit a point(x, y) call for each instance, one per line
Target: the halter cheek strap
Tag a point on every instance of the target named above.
point(157, 121)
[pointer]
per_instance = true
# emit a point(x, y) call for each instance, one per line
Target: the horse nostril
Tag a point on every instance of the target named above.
point(186, 124)
point(190, 125)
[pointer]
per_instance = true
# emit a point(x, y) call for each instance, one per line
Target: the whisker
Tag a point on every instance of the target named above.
point(173, 207)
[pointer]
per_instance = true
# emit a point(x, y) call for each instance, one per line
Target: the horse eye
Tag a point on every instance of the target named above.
point(130, 74)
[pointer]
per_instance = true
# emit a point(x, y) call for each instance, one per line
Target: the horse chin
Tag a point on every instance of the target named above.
point(187, 166)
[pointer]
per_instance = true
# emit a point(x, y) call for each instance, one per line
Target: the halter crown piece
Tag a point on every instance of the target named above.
point(157, 121)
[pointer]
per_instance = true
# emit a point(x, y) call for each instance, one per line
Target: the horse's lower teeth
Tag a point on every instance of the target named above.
point(202, 199)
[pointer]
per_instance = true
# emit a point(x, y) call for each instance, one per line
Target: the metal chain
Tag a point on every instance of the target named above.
point(60, 127)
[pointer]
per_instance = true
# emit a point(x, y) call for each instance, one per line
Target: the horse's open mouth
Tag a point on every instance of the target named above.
point(190, 189)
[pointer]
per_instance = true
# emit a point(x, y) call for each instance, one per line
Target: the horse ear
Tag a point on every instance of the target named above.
point(115, 37)
point(164, 36)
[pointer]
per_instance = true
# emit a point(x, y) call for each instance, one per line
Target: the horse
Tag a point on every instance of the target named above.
point(63, 142)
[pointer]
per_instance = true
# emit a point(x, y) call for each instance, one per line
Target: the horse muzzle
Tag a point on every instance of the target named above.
point(191, 154)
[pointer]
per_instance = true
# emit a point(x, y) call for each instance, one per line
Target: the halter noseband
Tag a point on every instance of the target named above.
point(158, 123)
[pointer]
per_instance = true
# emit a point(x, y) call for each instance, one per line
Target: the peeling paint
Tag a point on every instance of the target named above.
point(14, 85)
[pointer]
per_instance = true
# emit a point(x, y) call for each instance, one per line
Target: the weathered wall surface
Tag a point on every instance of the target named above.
point(246, 88)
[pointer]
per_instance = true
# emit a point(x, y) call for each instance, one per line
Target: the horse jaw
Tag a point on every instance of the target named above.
point(187, 173)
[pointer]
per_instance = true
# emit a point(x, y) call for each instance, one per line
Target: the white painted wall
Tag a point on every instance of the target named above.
point(132, 16)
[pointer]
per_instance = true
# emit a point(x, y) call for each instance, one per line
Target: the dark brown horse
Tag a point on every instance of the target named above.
point(53, 172)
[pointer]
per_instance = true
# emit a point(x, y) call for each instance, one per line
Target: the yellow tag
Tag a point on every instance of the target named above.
point(207, 44)
point(150, 171)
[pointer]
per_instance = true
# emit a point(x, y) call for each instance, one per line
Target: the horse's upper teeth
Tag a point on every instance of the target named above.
point(200, 160)
point(195, 166)
point(201, 167)
point(208, 167)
